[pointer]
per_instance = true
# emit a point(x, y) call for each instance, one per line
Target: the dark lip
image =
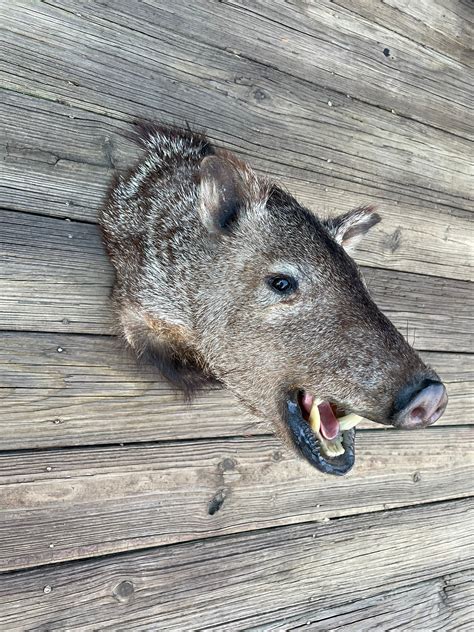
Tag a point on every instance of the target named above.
point(307, 443)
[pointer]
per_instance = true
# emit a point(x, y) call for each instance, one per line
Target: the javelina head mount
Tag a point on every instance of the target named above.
point(274, 307)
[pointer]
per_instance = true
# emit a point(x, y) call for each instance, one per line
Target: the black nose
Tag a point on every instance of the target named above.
point(419, 405)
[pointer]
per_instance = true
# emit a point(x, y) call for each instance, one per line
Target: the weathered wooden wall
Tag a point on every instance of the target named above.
point(197, 516)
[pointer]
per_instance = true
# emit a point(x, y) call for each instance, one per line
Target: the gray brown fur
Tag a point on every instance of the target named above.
point(193, 233)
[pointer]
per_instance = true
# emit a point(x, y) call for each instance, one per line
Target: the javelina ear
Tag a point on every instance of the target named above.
point(222, 192)
point(348, 229)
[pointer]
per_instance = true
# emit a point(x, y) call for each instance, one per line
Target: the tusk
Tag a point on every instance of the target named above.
point(332, 448)
point(349, 421)
point(314, 416)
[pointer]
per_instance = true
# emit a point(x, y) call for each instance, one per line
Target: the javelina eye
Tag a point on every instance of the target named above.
point(282, 284)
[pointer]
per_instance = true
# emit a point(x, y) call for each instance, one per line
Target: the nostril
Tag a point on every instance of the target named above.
point(424, 407)
point(418, 413)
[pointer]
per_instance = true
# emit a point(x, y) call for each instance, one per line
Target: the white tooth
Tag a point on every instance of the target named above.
point(334, 447)
point(314, 417)
point(331, 448)
point(349, 421)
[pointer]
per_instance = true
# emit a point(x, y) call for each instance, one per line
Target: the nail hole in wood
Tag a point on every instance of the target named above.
point(216, 502)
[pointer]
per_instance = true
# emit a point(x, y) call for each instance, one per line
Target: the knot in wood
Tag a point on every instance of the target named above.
point(227, 464)
point(123, 591)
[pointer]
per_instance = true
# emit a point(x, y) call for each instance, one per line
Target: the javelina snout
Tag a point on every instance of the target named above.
point(419, 404)
point(222, 275)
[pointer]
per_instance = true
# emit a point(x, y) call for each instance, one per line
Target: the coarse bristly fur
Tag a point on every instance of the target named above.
point(194, 235)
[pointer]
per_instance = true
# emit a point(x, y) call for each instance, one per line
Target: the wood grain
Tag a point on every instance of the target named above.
point(56, 278)
point(437, 605)
point(337, 43)
point(323, 44)
point(313, 572)
point(89, 502)
point(333, 158)
point(443, 26)
point(345, 103)
point(94, 392)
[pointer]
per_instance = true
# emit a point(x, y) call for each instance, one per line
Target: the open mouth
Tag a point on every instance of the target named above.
point(323, 434)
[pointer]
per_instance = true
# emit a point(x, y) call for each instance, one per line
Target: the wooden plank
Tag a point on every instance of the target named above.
point(435, 605)
point(88, 502)
point(55, 275)
point(57, 160)
point(56, 278)
point(342, 46)
point(403, 241)
point(401, 558)
point(93, 392)
point(343, 155)
point(445, 26)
